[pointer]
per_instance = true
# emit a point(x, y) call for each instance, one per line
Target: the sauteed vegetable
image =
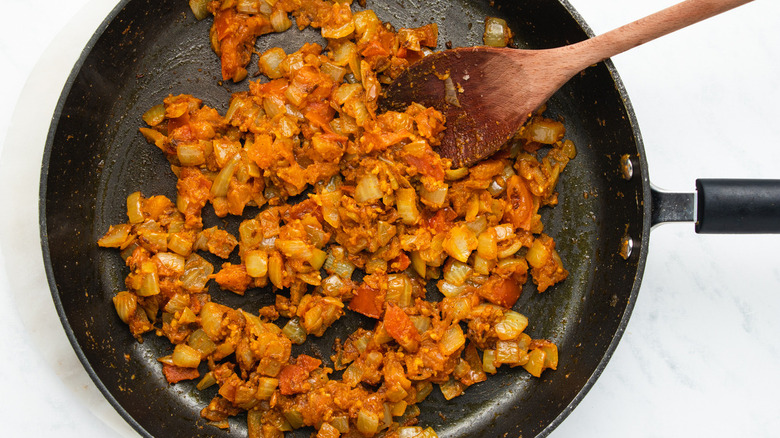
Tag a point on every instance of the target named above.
point(344, 210)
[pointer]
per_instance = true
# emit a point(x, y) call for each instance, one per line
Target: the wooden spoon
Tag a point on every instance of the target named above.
point(487, 93)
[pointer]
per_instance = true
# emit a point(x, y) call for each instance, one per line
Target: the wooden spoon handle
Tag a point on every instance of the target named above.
point(599, 48)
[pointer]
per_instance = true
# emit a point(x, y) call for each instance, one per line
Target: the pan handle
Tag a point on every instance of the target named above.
point(738, 206)
point(722, 206)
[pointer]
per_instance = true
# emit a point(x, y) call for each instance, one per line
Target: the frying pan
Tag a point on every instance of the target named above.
point(95, 157)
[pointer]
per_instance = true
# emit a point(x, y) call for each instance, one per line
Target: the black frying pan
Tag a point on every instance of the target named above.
point(95, 157)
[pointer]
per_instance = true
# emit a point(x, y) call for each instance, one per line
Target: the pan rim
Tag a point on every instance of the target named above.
point(641, 160)
point(44, 234)
point(70, 333)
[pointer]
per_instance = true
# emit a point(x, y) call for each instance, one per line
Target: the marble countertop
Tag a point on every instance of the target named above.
point(700, 354)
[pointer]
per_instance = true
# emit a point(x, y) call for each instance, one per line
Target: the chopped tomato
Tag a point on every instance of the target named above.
point(441, 222)
point(174, 374)
point(400, 327)
point(292, 378)
point(367, 301)
point(233, 278)
point(521, 205)
point(375, 48)
point(503, 292)
point(400, 263)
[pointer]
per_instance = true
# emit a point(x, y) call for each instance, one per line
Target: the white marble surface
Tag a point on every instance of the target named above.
point(701, 352)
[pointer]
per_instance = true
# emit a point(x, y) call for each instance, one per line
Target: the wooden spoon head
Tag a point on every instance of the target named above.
point(474, 88)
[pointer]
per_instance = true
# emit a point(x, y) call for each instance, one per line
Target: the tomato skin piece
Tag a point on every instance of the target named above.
point(521, 203)
point(426, 164)
point(367, 302)
point(505, 293)
point(174, 374)
point(400, 327)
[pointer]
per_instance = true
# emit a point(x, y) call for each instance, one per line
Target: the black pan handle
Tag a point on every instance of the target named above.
point(723, 206)
point(738, 206)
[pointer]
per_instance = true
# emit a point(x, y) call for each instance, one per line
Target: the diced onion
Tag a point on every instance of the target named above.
point(190, 154)
point(330, 203)
point(488, 361)
point(367, 422)
point(399, 289)
point(333, 71)
point(421, 323)
point(497, 33)
point(211, 319)
point(317, 258)
point(296, 249)
point(450, 93)
point(256, 263)
point(424, 389)
point(332, 286)
point(150, 285)
point(457, 273)
point(511, 325)
point(115, 236)
point(451, 389)
point(156, 114)
point(126, 304)
point(336, 263)
point(266, 387)
point(177, 303)
point(535, 363)
point(537, 254)
point(460, 242)
point(352, 375)
point(482, 266)
point(294, 417)
point(295, 95)
point(341, 423)
point(172, 261)
point(368, 189)
point(451, 290)
point(275, 270)
point(196, 273)
point(134, 213)
point(254, 423)
point(280, 21)
point(545, 131)
point(270, 62)
point(222, 181)
point(274, 106)
point(186, 356)
point(569, 149)
point(410, 432)
point(207, 381)
point(508, 352)
point(452, 340)
point(550, 355)
point(504, 231)
point(478, 225)
point(418, 264)
point(436, 198)
point(343, 52)
point(200, 341)
point(376, 265)
point(179, 244)
point(453, 174)
point(487, 244)
point(510, 250)
point(294, 331)
point(406, 204)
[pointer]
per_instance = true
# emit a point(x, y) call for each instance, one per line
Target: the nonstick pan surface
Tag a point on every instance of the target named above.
point(95, 157)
